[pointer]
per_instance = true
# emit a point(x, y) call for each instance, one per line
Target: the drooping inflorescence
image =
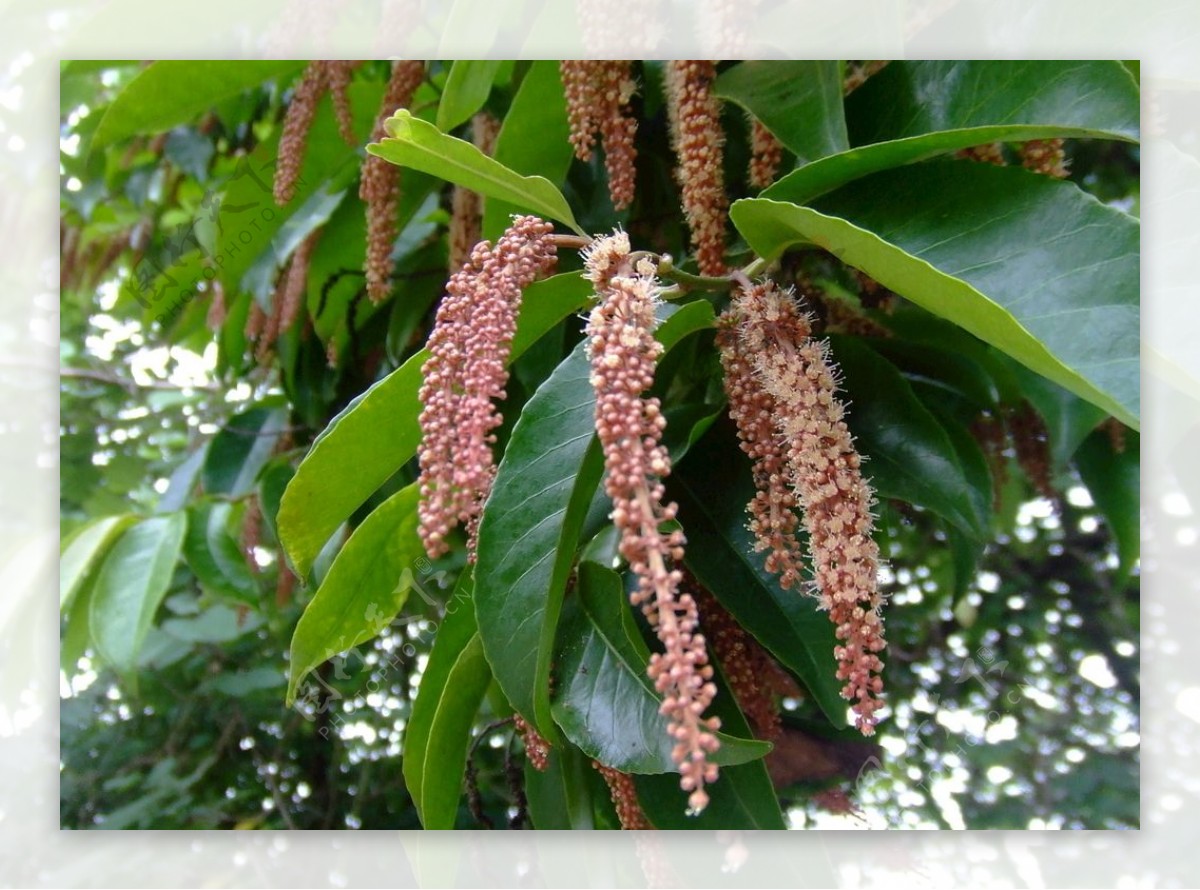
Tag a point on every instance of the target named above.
point(766, 154)
point(695, 116)
point(624, 797)
point(598, 94)
point(466, 370)
point(319, 77)
point(824, 470)
point(623, 355)
point(467, 205)
point(773, 517)
point(379, 186)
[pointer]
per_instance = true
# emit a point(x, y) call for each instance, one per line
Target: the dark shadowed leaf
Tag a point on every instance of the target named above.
point(800, 102)
point(1114, 480)
point(439, 730)
point(894, 120)
point(241, 449)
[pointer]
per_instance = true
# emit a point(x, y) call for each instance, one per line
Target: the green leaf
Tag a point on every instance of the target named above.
point(467, 87)
point(712, 487)
point(240, 450)
point(1114, 480)
point(422, 146)
point(529, 532)
point(942, 369)
point(1068, 418)
point(603, 699)
point(83, 552)
point(1022, 261)
point(533, 138)
point(132, 582)
point(215, 556)
point(560, 797)
point(365, 588)
point(800, 102)
point(169, 92)
point(378, 432)
point(532, 522)
point(439, 729)
point(909, 454)
point(893, 119)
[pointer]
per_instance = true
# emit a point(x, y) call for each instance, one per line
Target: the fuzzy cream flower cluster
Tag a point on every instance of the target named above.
point(793, 387)
point(466, 371)
point(623, 355)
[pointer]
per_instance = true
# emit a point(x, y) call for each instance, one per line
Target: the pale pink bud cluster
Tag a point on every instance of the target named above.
point(379, 186)
point(623, 355)
point(598, 94)
point(1045, 156)
point(466, 206)
point(319, 77)
point(766, 154)
point(695, 117)
point(466, 370)
point(825, 470)
point(988, 153)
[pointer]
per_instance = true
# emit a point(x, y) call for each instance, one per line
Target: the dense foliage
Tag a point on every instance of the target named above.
point(257, 632)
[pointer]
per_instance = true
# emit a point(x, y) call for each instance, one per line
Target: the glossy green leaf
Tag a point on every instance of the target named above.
point(603, 699)
point(378, 432)
point(915, 110)
point(132, 582)
point(529, 533)
point(798, 101)
point(467, 87)
point(560, 797)
point(215, 555)
point(438, 731)
point(1114, 480)
point(712, 487)
point(415, 143)
point(1022, 261)
point(171, 92)
point(909, 454)
point(82, 554)
point(241, 449)
point(533, 138)
point(365, 588)
point(532, 521)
